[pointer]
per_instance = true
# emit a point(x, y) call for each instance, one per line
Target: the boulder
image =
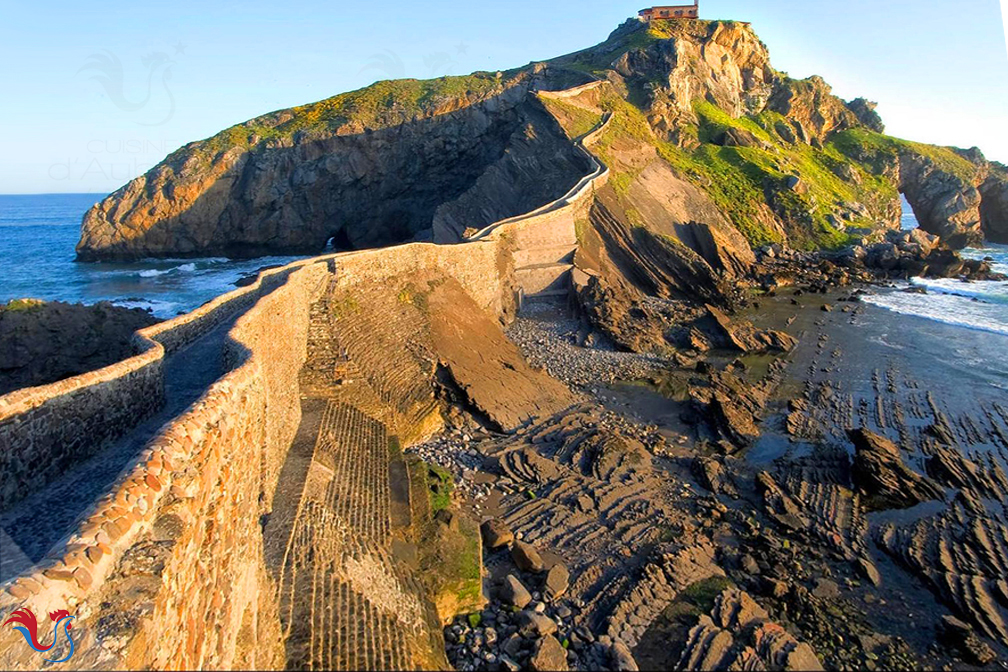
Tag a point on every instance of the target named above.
point(557, 580)
point(959, 636)
point(532, 624)
point(883, 480)
point(745, 337)
point(527, 558)
point(622, 658)
point(548, 656)
point(496, 534)
point(514, 593)
point(994, 206)
point(869, 571)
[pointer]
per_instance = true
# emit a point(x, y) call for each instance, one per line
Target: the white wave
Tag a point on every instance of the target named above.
point(153, 272)
point(946, 308)
point(881, 340)
point(994, 292)
point(162, 309)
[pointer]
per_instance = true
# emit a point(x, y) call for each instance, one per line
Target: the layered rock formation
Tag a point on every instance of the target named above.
point(365, 169)
point(712, 147)
point(994, 205)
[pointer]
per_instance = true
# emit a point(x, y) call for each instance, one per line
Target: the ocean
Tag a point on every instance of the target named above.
point(980, 306)
point(38, 234)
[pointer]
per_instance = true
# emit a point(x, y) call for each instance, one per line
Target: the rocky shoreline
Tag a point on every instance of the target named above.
point(41, 343)
point(756, 520)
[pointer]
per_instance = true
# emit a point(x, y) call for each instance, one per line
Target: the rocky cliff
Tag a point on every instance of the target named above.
point(703, 121)
point(364, 169)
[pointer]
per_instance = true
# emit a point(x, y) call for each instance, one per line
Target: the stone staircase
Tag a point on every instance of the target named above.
point(543, 263)
point(346, 602)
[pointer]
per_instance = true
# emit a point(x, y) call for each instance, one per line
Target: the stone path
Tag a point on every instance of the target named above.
point(34, 525)
point(345, 601)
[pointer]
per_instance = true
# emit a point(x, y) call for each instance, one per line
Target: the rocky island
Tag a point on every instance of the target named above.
point(587, 383)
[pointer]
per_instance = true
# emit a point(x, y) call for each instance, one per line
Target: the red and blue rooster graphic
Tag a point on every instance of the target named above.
point(28, 626)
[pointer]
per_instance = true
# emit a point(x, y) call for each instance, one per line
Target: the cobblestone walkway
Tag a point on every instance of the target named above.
point(346, 602)
point(30, 528)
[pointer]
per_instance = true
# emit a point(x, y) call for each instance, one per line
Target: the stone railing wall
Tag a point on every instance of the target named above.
point(168, 570)
point(188, 513)
point(45, 429)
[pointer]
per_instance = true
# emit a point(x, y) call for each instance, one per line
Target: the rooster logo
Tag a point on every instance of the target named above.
point(388, 63)
point(28, 626)
point(109, 72)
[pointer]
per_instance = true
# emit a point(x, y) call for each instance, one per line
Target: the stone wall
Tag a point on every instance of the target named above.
point(168, 568)
point(46, 429)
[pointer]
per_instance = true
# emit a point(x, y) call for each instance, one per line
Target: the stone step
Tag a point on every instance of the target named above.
point(555, 231)
point(551, 295)
point(540, 278)
point(552, 254)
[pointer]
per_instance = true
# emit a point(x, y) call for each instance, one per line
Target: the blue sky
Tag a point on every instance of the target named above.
point(938, 69)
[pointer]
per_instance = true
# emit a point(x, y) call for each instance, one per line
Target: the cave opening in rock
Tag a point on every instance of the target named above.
point(340, 241)
point(908, 220)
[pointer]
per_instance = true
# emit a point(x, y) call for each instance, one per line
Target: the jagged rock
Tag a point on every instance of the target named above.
point(738, 137)
point(557, 580)
point(949, 467)
point(622, 658)
point(736, 610)
point(944, 203)
point(548, 656)
point(865, 112)
point(940, 549)
point(743, 336)
point(730, 406)
point(739, 635)
point(994, 205)
point(881, 477)
point(779, 504)
point(960, 637)
point(713, 476)
point(531, 624)
point(526, 557)
point(512, 592)
point(869, 571)
point(496, 534)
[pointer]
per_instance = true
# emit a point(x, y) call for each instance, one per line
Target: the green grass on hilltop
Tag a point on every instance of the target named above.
point(382, 104)
point(743, 180)
point(861, 144)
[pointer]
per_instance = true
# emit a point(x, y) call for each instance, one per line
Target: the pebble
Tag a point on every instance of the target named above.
point(549, 341)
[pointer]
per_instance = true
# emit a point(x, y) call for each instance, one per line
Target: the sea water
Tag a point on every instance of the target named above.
point(38, 234)
point(975, 305)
